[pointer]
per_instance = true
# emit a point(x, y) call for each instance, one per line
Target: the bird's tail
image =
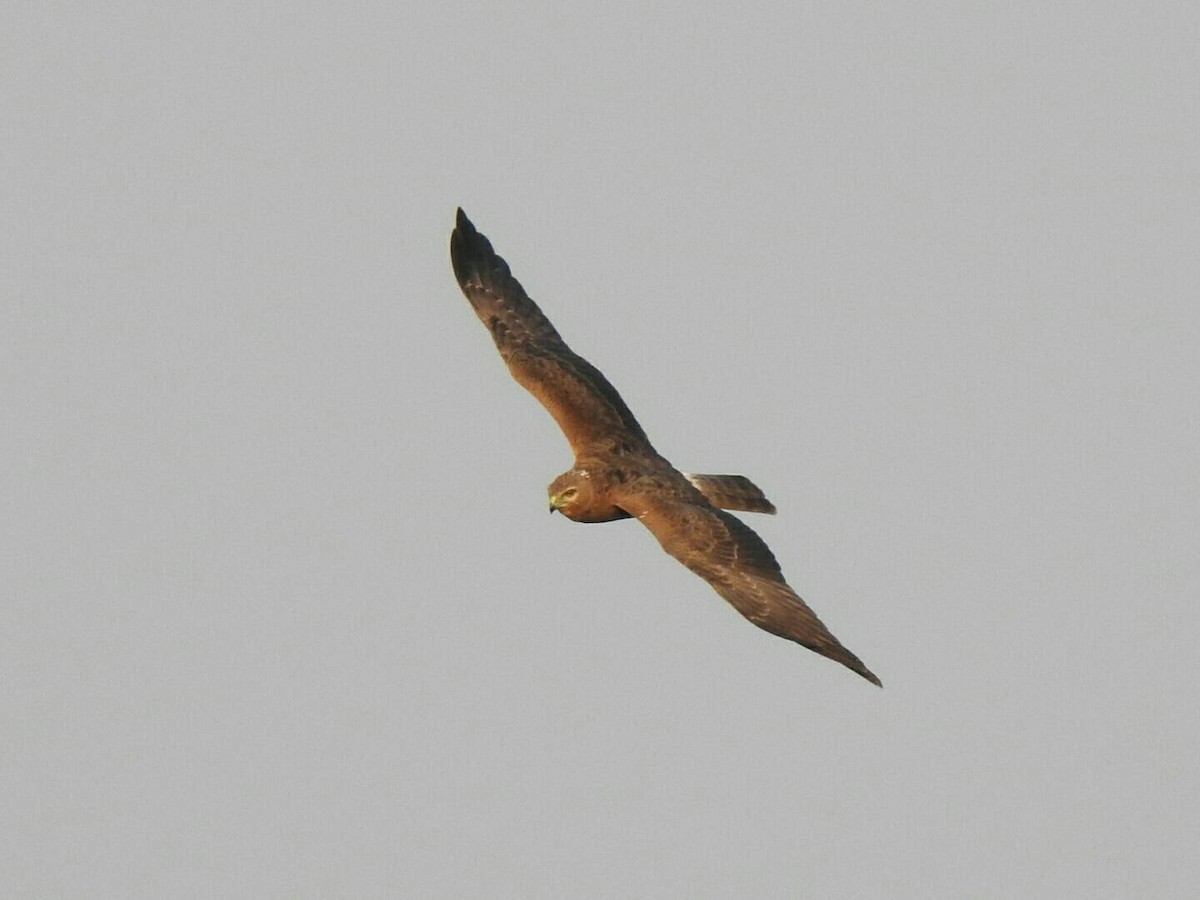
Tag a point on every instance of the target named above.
point(732, 492)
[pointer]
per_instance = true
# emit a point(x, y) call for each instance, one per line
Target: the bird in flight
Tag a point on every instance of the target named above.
point(618, 474)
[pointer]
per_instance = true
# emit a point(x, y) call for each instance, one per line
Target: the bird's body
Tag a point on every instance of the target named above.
point(617, 472)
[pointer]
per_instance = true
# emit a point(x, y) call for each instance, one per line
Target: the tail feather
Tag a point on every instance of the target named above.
point(732, 492)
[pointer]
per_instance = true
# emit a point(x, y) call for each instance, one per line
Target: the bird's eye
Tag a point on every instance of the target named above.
point(569, 493)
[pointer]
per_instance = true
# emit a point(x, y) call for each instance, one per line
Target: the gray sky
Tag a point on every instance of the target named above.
point(284, 614)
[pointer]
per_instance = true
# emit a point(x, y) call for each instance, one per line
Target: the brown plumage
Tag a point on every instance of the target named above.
point(732, 492)
point(618, 474)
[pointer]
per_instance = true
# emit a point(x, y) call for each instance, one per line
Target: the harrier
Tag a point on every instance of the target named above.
point(619, 475)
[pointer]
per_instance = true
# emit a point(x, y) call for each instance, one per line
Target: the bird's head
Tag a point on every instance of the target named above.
point(571, 493)
point(580, 496)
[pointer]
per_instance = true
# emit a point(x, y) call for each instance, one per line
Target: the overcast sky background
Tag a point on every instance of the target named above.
point(283, 612)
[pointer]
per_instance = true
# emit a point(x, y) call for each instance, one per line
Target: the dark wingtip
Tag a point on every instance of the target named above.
point(465, 246)
point(851, 662)
point(476, 264)
point(854, 664)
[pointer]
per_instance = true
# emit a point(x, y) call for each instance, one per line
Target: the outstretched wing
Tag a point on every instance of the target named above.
point(727, 554)
point(587, 408)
